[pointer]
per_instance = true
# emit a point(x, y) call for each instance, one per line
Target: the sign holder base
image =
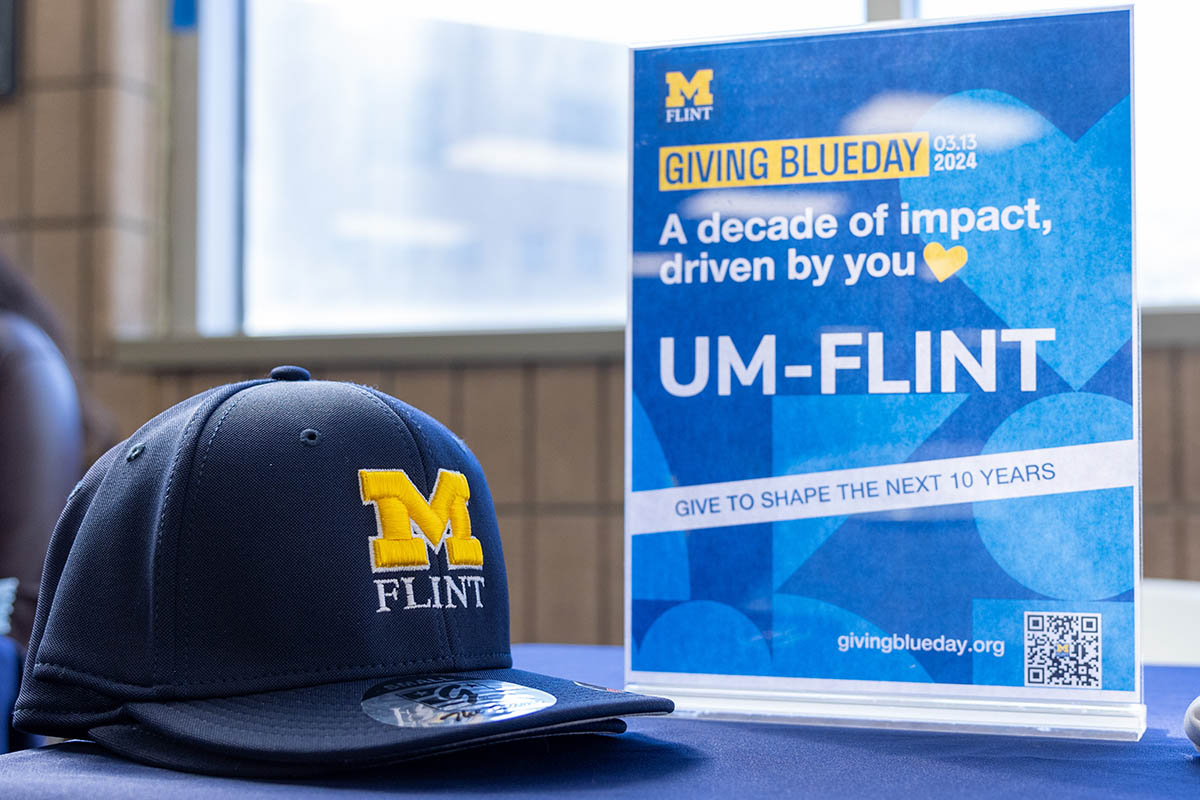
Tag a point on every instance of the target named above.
point(1060, 719)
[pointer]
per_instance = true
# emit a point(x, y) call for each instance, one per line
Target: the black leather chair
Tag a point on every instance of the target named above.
point(41, 455)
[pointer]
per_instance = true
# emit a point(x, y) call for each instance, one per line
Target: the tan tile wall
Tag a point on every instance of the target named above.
point(79, 161)
point(80, 214)
point(1171, 463)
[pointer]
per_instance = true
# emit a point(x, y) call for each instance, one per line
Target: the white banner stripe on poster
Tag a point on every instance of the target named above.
point(892, 487)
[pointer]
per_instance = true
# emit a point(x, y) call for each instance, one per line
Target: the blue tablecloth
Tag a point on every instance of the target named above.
point(667, 758)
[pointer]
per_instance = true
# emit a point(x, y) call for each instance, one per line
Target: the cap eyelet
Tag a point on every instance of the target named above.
point(310, 436)
point(135, 451)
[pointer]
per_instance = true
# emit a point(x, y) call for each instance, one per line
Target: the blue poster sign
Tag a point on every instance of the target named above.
point(883, 411)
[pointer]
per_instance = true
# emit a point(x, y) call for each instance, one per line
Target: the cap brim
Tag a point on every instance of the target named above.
point(316, 729)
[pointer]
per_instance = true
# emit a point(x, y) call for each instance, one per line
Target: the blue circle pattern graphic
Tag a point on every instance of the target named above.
point(1032, 538)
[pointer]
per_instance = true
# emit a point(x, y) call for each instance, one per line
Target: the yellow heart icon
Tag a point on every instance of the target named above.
point(942, 262)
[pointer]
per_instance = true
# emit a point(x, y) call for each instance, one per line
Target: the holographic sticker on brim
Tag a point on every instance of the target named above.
point(430, 701)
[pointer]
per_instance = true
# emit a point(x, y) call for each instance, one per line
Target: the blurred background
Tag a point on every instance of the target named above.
point(433, 201)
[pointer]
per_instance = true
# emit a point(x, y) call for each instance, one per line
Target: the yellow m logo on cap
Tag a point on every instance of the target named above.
point(408, 523)
point(698, 89)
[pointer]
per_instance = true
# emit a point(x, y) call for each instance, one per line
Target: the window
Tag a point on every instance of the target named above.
point(465, 170)
point(418, 174)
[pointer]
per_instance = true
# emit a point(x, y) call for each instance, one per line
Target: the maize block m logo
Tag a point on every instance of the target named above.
point(696, 90)
point(409, 524)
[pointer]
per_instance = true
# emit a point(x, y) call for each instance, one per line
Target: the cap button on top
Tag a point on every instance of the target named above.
point(287, 372)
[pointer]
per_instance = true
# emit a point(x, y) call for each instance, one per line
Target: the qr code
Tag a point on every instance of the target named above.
point(1062, 649)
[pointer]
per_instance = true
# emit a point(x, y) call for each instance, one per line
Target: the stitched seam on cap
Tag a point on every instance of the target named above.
point(223, 681)
point(418, 437)
point(159, 581)
point(41, 620)
point(181, 585)
point(401, 422)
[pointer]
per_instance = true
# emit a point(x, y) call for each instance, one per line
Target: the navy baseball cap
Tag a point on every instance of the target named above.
point(284, 577)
